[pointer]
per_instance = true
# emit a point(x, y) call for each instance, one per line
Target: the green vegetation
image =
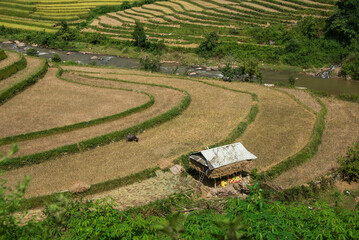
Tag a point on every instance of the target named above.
point(32, 52)
point(139, 35)
point(349, 165)
point(291, 81)
point(11, 91)
point(252, 218)
point(348, 97)
point(56, 58)
point(13, 68)
point(149, 63)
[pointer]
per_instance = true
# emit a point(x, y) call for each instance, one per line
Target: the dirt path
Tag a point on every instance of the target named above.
point(211, 116)
point(54, 103)
point(341, 131)
point(33, 65)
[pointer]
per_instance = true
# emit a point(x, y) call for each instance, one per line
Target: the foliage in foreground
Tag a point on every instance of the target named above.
point(349, 165)
point(252, 218)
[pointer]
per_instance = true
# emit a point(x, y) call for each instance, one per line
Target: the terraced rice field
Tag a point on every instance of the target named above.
point(211, 116)
point(40, 15)
point(185, 22)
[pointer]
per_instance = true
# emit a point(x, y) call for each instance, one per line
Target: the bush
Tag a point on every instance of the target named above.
point(349, 165)
point(152, 64)
point(351, 66)
point(56, 58)
point(32, 52)
point(291, 81)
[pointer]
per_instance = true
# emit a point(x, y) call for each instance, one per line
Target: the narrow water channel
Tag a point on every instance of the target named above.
point(332, 85)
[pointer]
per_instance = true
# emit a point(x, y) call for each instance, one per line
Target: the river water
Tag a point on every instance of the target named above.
point(332, 85)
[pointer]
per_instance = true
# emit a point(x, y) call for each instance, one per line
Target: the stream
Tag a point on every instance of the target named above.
point(329, 85)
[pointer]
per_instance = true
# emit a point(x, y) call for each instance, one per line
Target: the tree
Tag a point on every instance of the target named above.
point(343, 25)
point(208, 45)
point(139, 35)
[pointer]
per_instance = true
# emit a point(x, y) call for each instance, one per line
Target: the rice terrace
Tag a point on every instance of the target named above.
point(195, 138)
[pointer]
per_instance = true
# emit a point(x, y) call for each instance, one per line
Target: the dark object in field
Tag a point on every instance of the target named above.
point(131, 138)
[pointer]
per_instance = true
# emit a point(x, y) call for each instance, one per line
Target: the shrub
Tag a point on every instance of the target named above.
point(351, 66)
point(349, 165)
point(32, 52)
point(152, 64)
point(291, 81)
point(56, 58)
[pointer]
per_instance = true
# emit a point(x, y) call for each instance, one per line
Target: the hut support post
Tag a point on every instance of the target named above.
point(214, 183)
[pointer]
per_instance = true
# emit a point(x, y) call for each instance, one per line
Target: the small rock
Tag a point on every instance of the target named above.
point(8, 42)
point(68, 53)
point(192, 73)
point(269, 85)
point(199, 68)
point(21, 44)
point(79, 187)
point(35, 45)
point(357, 199)
point(94, 58)
point(27, 48)
point(176, 169)
point(16, 42)
point(214, 68)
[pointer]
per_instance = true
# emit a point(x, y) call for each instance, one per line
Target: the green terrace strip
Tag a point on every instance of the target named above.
point(11, 91)
point(35, 202)
point(303, 155)
point(2, 54)
point(84, 124)
point(13, 68)
point(92, 143)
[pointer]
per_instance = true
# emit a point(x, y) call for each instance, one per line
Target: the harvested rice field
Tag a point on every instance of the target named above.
point(341, 131)
point(54, 103)
point(201, 124)
point(282, 127)
point(33, 65)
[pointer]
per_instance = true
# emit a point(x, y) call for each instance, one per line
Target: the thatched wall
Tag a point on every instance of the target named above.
point(243, 166)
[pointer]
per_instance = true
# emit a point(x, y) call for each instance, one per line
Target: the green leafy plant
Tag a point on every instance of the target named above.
point(291, 81)
point(172, 227)
point(349, 164)
point(150, 63)
point(56, 58)
point(32, 52)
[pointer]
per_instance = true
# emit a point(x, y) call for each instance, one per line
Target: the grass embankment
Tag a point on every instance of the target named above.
point(194, 128)
point(35, 70)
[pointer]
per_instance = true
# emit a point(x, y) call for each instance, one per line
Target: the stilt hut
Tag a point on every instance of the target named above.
point(221, 162)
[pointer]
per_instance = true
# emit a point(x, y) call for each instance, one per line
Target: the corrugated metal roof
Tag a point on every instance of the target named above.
point(224, 155)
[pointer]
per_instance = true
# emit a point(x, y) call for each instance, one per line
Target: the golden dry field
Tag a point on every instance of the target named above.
point(282, 127)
